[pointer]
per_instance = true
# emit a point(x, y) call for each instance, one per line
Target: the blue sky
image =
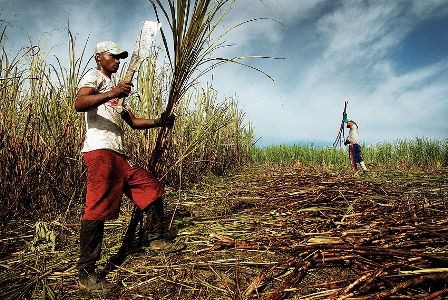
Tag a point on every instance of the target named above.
point(389, 59)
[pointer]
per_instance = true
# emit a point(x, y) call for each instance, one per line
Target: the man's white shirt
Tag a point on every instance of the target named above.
point(353, 134)
point(104, 126)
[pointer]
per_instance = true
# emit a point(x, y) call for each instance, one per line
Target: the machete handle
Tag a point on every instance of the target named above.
point(127, 78)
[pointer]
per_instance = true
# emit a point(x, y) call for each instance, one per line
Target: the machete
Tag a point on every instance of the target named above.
point(141, 50)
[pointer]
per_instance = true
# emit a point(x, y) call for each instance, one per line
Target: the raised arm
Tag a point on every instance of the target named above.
point(88, 98)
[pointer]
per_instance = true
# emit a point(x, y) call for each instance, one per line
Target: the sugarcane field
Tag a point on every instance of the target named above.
point(223, 149)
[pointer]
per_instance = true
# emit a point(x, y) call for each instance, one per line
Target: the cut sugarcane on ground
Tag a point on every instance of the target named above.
point(288, 232)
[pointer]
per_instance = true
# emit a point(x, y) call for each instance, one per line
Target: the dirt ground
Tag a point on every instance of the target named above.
point(288, 232)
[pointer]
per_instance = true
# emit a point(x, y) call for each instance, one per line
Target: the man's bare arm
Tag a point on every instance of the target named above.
point(88, 98)
point(140, 123)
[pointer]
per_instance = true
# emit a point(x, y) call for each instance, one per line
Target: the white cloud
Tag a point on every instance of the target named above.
point(429, 8)
point(356, 31)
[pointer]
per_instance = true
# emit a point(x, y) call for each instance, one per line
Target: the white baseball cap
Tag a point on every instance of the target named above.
point(112, 48)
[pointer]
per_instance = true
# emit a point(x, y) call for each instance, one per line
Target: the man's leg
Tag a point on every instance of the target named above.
point(105, 184)
point(91, 238)
point(154, 229)
point(351, 155)
point(146, 192)
point(153, 221)
point(357, 153)
point(363, 166)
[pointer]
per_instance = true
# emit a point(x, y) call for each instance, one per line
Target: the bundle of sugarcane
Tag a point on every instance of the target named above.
point(341, 135)
point(192, 25)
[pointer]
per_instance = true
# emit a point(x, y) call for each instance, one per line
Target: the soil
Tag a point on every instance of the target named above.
point(270, 232)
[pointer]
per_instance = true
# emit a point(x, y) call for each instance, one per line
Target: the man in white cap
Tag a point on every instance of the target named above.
point(109, 171)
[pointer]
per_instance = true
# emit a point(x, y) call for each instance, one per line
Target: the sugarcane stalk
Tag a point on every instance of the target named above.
point(437, 295)
point(341, 134)
point(266, 276)
point(408, 283)
point(365, 279)
point(297, 275)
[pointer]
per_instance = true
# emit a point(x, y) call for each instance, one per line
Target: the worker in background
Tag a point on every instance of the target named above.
point(354, 149)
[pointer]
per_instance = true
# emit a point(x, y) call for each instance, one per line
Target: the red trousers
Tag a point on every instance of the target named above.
point(109, 175)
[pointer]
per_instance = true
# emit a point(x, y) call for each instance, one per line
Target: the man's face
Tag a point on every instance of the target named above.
point(108, 61)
